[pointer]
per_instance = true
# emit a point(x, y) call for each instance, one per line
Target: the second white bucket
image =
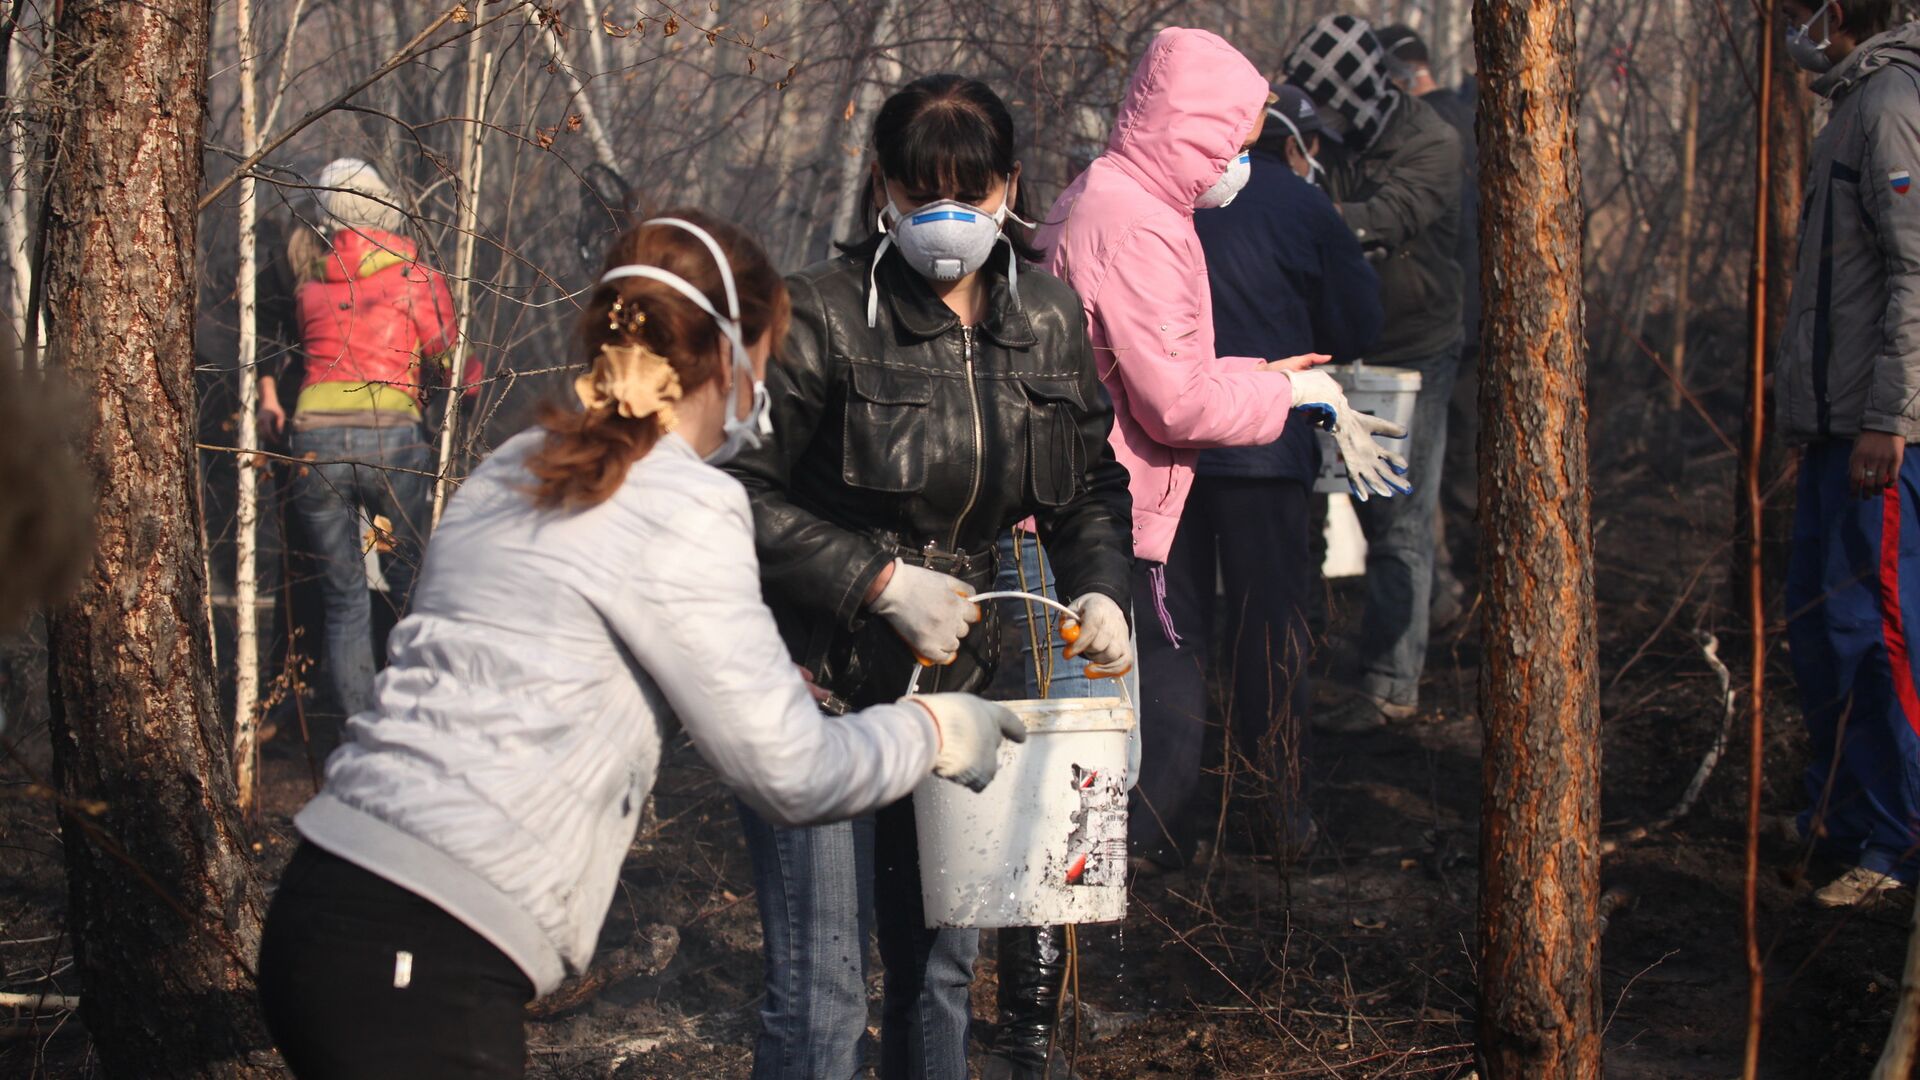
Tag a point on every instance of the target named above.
point(1046, 842)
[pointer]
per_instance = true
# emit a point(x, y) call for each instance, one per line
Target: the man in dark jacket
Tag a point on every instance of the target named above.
point(1287, 278)
point(1396, 181)
point(1847, 390)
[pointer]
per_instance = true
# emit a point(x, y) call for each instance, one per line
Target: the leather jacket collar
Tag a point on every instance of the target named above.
point(919, 312)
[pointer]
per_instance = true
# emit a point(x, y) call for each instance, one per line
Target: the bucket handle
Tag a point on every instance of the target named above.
point(913, 684)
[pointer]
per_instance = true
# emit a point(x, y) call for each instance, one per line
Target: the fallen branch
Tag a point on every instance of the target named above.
point(45, 1002)
point(1710, 648)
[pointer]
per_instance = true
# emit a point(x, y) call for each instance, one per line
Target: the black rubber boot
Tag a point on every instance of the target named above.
point(1033, 960)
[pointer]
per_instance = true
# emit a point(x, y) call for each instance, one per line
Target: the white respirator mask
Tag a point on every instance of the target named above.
point(1804, 50)
point(1239, 171)
point(944, 240)
point(742, 433)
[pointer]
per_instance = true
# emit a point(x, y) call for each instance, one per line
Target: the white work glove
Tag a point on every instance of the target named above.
point(1102, 637)
point(929, 609)
point(970, 732)
point(1371, 468)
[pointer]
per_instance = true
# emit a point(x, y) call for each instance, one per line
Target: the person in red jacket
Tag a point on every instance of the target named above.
point(372, 318)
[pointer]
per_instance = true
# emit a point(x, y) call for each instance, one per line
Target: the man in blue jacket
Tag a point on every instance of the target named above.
point(1287, 278)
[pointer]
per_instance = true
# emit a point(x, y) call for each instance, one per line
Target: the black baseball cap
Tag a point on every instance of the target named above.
point(1292, 105)
point(1403, 44)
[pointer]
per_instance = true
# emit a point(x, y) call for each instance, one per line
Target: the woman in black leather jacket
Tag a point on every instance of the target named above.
point(932, 394)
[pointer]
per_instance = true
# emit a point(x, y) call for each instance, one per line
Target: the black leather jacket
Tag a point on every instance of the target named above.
point(926, 440)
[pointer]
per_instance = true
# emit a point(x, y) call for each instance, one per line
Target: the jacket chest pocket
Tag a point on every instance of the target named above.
point(1053, 439)
point(883, 439)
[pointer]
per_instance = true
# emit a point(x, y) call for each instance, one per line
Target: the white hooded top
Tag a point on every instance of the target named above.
point(517, 728)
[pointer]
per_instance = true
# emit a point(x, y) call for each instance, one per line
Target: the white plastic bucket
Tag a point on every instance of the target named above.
point(1046, 842)
point(1346, 543)
point(1385, 392)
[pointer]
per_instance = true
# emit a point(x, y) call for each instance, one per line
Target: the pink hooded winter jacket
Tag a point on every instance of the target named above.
point(1122, 236)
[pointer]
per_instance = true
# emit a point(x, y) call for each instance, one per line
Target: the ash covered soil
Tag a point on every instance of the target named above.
point(1353, 961)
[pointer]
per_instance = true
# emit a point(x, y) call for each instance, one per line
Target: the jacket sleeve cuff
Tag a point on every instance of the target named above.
point(1892, 424)
point(852, 602)
point(1119, 594)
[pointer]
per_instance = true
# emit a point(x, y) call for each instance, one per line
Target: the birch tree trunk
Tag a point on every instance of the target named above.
point(19, 233)
point(582, 98)
point(1683, 268)
point(472, 161)
point(877, 71)
point(246, 517)
point(162, 903)
point(1539, 1007)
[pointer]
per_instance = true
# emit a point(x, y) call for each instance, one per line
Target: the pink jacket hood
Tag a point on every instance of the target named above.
point(1190, 104)
point(1122, 236)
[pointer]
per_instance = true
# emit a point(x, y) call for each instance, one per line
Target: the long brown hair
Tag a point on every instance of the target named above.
point(588, 451)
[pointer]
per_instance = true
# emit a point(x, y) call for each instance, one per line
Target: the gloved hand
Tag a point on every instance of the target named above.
point(1371, 468)
point(1100, 634)
point(970, 732)
point(929, 609)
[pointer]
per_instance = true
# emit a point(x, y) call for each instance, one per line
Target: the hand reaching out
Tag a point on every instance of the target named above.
point(1296, 363)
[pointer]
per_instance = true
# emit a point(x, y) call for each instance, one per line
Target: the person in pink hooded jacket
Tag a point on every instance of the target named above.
point(1122, 235)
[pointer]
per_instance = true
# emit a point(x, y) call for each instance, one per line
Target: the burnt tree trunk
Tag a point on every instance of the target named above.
point(1539, 1007)
point(163, 907)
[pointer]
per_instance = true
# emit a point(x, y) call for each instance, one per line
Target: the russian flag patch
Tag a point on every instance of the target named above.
point(1900, 181)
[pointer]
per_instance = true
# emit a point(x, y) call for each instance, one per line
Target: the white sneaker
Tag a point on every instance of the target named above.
point(1856, 886)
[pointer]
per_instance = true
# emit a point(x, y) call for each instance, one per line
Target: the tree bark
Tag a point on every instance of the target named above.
point(1539, 1007)
point(162, 903)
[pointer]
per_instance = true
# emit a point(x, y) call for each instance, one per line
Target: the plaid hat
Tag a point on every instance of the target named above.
point(1341, 66)
point(1293, 110)
point(352, 196)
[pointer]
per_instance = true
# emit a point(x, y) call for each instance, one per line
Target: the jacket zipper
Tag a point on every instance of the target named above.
point(979, 442)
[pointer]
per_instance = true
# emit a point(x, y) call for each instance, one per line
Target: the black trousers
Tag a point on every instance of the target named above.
point(1254, 535)
point(360, 978)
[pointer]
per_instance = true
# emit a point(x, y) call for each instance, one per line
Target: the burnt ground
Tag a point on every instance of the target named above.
point(1355, 961)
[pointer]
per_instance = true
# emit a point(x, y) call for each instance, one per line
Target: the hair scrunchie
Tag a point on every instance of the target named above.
point(634, 379)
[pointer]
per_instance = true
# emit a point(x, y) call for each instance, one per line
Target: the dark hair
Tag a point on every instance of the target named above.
point(1274, 137)
point(588, 451)
point(949, 133)
point(1865, 18)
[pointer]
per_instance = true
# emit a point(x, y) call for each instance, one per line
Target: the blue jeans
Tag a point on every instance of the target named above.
point(820, 891)
point(1027, 629)
point(1392, 646)
point(1853, 601)
point(351, 475)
